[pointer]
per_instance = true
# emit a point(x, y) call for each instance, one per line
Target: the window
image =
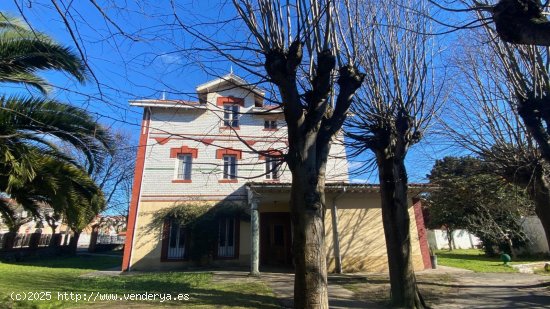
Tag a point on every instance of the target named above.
point(271, 168)
point(270, 124)
point(174, 239)
point(184, 166)
point(229, 167)
point(226, 237)
point(231, 115)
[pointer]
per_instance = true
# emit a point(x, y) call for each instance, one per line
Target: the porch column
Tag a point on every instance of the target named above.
point(335, 235)
point(254, 202)
point(336, 239)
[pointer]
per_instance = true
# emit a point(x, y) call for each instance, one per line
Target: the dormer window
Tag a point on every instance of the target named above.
point(231, 115)
point(270, 125)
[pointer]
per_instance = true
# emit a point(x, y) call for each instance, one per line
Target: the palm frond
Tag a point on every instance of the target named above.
point(48, 117)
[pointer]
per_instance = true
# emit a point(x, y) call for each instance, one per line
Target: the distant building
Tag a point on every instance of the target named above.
point(28, 223)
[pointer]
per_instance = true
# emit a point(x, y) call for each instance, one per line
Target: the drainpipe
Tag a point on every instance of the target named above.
point(335, 238)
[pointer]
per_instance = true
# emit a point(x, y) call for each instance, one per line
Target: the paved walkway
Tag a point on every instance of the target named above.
point(470, 290)
point(500, 290)
point(474, 290)
point(283, 287)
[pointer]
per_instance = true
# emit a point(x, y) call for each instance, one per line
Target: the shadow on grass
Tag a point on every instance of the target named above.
point(73, 261)
point(199, 286)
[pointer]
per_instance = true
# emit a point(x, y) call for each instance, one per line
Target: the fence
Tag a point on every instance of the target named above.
point(9, 241)
point(111, 240)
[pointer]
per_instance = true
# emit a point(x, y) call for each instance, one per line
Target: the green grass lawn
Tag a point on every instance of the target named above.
point(62, 275)
point(474, 259)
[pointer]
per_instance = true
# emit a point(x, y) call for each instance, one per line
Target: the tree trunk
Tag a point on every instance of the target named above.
point(542, 205)
point(393, 190)
point(73, 243)
point(522, 22)
point(93, 238)
point(307, 209)
point(450, 239)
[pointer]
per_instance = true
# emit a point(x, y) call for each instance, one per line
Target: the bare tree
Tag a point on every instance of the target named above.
point(516, 21)
point(116, 174)
point(307, 52)
point(504, 95)
point(302, 44)
point(394, 108)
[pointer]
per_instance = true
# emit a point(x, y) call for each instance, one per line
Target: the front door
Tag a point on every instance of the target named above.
point(275, 239)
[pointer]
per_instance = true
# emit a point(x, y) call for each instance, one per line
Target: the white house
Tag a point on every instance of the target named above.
point(227, 147)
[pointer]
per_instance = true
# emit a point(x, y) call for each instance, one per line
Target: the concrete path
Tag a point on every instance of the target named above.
point(111, 272)
point(473, 290)
point(500, 290)
point(470, 290)
point(283, 287)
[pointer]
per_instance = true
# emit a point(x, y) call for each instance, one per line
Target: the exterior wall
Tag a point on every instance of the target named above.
point(201, 129)
point(362, 242)
point(146, 253)
point(360, 229)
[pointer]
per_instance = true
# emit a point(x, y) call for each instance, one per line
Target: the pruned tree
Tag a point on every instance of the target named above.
point(516, 21)
point(504, 94)
point(306, 40)
point(393, 109)
point(307, 52)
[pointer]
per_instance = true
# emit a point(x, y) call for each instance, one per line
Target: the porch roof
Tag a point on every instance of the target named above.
point(337, 187)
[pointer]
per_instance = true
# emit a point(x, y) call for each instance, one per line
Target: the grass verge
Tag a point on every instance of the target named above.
point(53, 278)
point(476, 260)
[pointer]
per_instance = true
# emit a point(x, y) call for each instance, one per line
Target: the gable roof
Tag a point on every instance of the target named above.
point(229, 79)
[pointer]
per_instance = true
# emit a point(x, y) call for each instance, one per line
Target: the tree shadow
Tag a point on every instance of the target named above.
point(75, 262)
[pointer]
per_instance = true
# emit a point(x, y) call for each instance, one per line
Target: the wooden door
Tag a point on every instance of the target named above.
point(275, 239)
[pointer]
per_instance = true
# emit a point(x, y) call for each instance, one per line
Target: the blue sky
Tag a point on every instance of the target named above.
point(146, 60)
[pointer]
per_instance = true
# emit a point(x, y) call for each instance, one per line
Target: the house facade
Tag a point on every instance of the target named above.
point(226, 149)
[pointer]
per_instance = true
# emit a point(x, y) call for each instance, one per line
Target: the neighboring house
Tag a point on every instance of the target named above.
point(206, 153)
point(28, 223)
point(108, 229)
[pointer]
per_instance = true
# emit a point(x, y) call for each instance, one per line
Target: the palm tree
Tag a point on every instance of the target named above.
point(68, 189)
point(33, 169)
point(37, 123)
point(23, 52)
